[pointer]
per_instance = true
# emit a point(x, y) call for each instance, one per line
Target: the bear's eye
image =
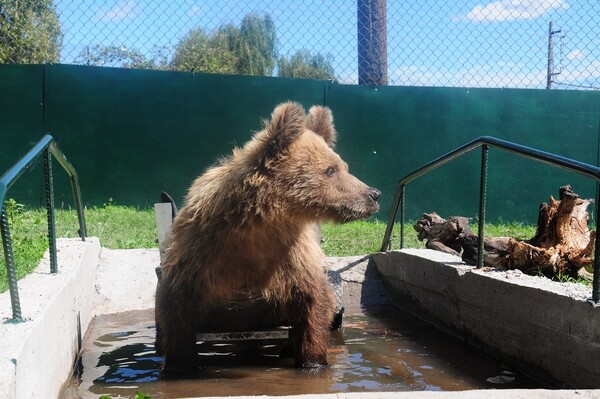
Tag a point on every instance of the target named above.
point(330, 171)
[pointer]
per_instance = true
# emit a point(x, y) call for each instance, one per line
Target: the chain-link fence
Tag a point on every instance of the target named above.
point(481, 43)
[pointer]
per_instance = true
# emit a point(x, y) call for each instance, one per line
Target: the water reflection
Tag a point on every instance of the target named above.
point(381, 350)
point(130, 363)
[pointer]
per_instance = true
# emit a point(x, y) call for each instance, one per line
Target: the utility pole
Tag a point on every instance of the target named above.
point(372, 42)
point(550, 73)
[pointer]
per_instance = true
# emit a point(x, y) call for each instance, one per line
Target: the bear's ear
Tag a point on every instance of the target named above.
point(287, 123)
point(320, 121)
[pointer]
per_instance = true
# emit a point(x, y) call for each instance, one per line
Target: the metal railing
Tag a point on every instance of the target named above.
point(46, 147)
point(485, 143)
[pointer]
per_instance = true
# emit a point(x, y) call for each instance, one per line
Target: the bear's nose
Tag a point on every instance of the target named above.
point(374, 193)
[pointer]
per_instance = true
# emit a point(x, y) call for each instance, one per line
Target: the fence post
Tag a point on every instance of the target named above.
point(482, 195)
point(372, 42)
point(50, 210)
point(11, 273)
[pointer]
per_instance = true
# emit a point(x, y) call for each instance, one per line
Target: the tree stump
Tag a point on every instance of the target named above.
point(562, 244)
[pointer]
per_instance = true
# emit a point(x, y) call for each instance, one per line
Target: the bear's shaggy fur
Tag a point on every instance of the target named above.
point(247, 227)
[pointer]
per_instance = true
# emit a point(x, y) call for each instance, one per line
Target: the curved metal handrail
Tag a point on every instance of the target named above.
point(45, 147)
point(485, 142)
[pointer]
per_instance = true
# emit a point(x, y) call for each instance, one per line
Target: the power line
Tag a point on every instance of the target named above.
point(576, 85)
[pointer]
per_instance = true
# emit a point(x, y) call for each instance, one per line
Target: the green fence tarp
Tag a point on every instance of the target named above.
point(133, 133)
point(388, 132)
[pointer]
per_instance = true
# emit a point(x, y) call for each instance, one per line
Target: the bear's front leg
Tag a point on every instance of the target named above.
point(310, 331)
point(175, 334)
point(182, 355)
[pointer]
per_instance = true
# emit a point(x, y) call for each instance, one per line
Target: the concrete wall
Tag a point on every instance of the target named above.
point(545, 328)
point(36, 355)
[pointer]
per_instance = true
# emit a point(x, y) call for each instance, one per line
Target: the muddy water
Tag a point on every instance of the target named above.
point(383, 349)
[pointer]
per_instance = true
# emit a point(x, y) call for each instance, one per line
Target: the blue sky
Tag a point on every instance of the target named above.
point(463, 43)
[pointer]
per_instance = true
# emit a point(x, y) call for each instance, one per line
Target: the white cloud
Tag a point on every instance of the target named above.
point(576, 55)
point(586, 73)
point(511, 10)
point(123, 10)
point(193, 11)
point(500, 75)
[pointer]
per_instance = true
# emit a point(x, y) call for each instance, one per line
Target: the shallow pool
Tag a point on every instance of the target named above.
point(380, 349)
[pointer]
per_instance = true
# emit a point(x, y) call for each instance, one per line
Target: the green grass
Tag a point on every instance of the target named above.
point(117, 227)
point(516, 230)
point(138, 395)
point(121, 227)
point(361, 237)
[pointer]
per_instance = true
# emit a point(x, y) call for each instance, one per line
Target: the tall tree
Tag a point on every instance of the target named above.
point(30, 32)
point(247, 50)
point(202, 53)
point(257, 47)
point(305, 65)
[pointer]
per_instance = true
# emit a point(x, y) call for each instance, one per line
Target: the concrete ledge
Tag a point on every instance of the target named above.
point(546, 328)
point(487, 394)
point(362, 285)
point(36, 356)
point(126, 280)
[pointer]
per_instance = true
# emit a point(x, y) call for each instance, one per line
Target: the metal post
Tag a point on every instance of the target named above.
point(596, 280)
point(50, 211)
point(79, 207)
point(11, 273)
point(402, 194)
point(549, 72)
point(482, 198)
point(386, 244)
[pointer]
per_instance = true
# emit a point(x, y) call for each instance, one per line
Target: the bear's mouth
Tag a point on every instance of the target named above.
point(348, 213)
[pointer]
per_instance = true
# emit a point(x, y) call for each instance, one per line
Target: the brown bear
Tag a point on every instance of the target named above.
point(247, 228)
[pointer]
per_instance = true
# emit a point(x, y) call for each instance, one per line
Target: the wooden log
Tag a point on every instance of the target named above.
point(563, 222)
point(441, 234)
point(496, 250)
point(562, 244)
point(438, 245)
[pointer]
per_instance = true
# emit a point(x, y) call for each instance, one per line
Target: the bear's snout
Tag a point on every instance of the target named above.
point(374, 194)
point(372, 198)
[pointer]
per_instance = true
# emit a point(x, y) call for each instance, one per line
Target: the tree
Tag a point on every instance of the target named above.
point(250, 49)
point(257, 46)
point(247, 50)
point(202, 53)
point(30, 32)
point(99, 55)
point(305, 65)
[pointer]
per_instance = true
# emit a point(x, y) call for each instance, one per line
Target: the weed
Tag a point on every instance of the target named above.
point(138, 395)
point(565, 278)
point(13, 210)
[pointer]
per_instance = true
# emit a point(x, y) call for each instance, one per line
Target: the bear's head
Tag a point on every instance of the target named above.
point(293, 156)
